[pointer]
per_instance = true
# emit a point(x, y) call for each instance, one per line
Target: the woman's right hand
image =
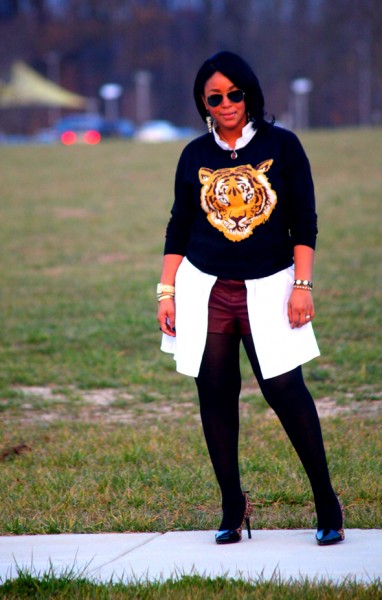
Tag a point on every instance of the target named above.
point(166, 307)
point(166, 316)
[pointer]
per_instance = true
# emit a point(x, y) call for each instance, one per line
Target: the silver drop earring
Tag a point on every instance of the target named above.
point(209, 123)
point(251, 120)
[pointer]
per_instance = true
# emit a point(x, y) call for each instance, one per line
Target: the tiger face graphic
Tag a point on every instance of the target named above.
point(237, 199)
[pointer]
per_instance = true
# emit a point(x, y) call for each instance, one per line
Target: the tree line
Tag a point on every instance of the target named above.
point(83, 44)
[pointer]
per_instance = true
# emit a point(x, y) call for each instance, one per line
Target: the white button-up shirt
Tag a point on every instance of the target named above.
point(279, 348)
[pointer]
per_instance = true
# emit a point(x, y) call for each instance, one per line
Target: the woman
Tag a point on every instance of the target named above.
point(238, 264)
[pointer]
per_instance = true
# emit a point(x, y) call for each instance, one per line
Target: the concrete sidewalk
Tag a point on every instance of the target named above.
point(286, 554)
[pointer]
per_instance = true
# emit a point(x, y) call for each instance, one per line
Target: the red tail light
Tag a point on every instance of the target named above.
point(68, 138)
point(92, 137)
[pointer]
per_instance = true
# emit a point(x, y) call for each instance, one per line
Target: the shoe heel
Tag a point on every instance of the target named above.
point(248, 525)
point(247, 513)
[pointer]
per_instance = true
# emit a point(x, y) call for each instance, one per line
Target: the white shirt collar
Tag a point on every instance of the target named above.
point(247, 134)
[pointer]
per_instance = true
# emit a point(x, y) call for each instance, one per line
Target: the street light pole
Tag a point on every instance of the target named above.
point(111, 92)
point(301, 88)
point(142, 96)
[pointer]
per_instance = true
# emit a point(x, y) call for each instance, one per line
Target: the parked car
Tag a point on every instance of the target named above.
point(91, 128)
point(161, 131)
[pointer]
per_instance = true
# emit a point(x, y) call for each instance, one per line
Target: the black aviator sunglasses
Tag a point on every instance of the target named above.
point(235, 96)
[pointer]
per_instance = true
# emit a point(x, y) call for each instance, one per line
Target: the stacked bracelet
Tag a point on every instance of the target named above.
point(165, 292)
point(303, 284)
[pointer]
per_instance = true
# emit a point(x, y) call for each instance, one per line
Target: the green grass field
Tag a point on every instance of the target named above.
point(111, 434)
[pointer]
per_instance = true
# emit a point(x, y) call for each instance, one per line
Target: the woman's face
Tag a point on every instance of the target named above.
point(228, 115)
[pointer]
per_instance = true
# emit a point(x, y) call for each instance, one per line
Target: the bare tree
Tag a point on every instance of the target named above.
point(335, 43)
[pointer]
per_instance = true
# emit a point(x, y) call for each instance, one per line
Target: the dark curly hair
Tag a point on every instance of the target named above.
point(240, 73)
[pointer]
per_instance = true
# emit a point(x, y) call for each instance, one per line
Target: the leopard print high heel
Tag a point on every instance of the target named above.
point(231, 536)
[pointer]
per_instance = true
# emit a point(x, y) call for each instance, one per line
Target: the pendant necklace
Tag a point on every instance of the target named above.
point(233, 151)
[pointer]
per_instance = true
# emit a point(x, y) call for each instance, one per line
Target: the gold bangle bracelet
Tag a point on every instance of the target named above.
point(304, 282)
point(302, 287)
point(164, 288)
point(165, 297)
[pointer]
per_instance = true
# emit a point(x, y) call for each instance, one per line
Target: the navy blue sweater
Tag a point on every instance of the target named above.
point(240, 218)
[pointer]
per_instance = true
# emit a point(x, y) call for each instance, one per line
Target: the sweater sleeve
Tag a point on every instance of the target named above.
point(182, 213)
point(301, 195)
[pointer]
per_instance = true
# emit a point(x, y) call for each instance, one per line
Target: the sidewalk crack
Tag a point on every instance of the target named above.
point(144, 543)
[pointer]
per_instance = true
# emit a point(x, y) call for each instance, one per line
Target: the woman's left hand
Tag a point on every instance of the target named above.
point(300, 308)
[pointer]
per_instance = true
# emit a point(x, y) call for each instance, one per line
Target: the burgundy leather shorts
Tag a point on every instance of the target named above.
point(227, 308)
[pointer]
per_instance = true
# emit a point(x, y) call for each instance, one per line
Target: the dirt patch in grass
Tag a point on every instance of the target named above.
point(327, 407)
point(47, 403)
point(111, 405)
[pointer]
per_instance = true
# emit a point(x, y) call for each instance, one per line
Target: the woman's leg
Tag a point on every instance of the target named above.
point(219, 383)
point(293, 404)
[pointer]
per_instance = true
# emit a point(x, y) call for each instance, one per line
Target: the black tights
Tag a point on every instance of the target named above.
point(219, 383)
